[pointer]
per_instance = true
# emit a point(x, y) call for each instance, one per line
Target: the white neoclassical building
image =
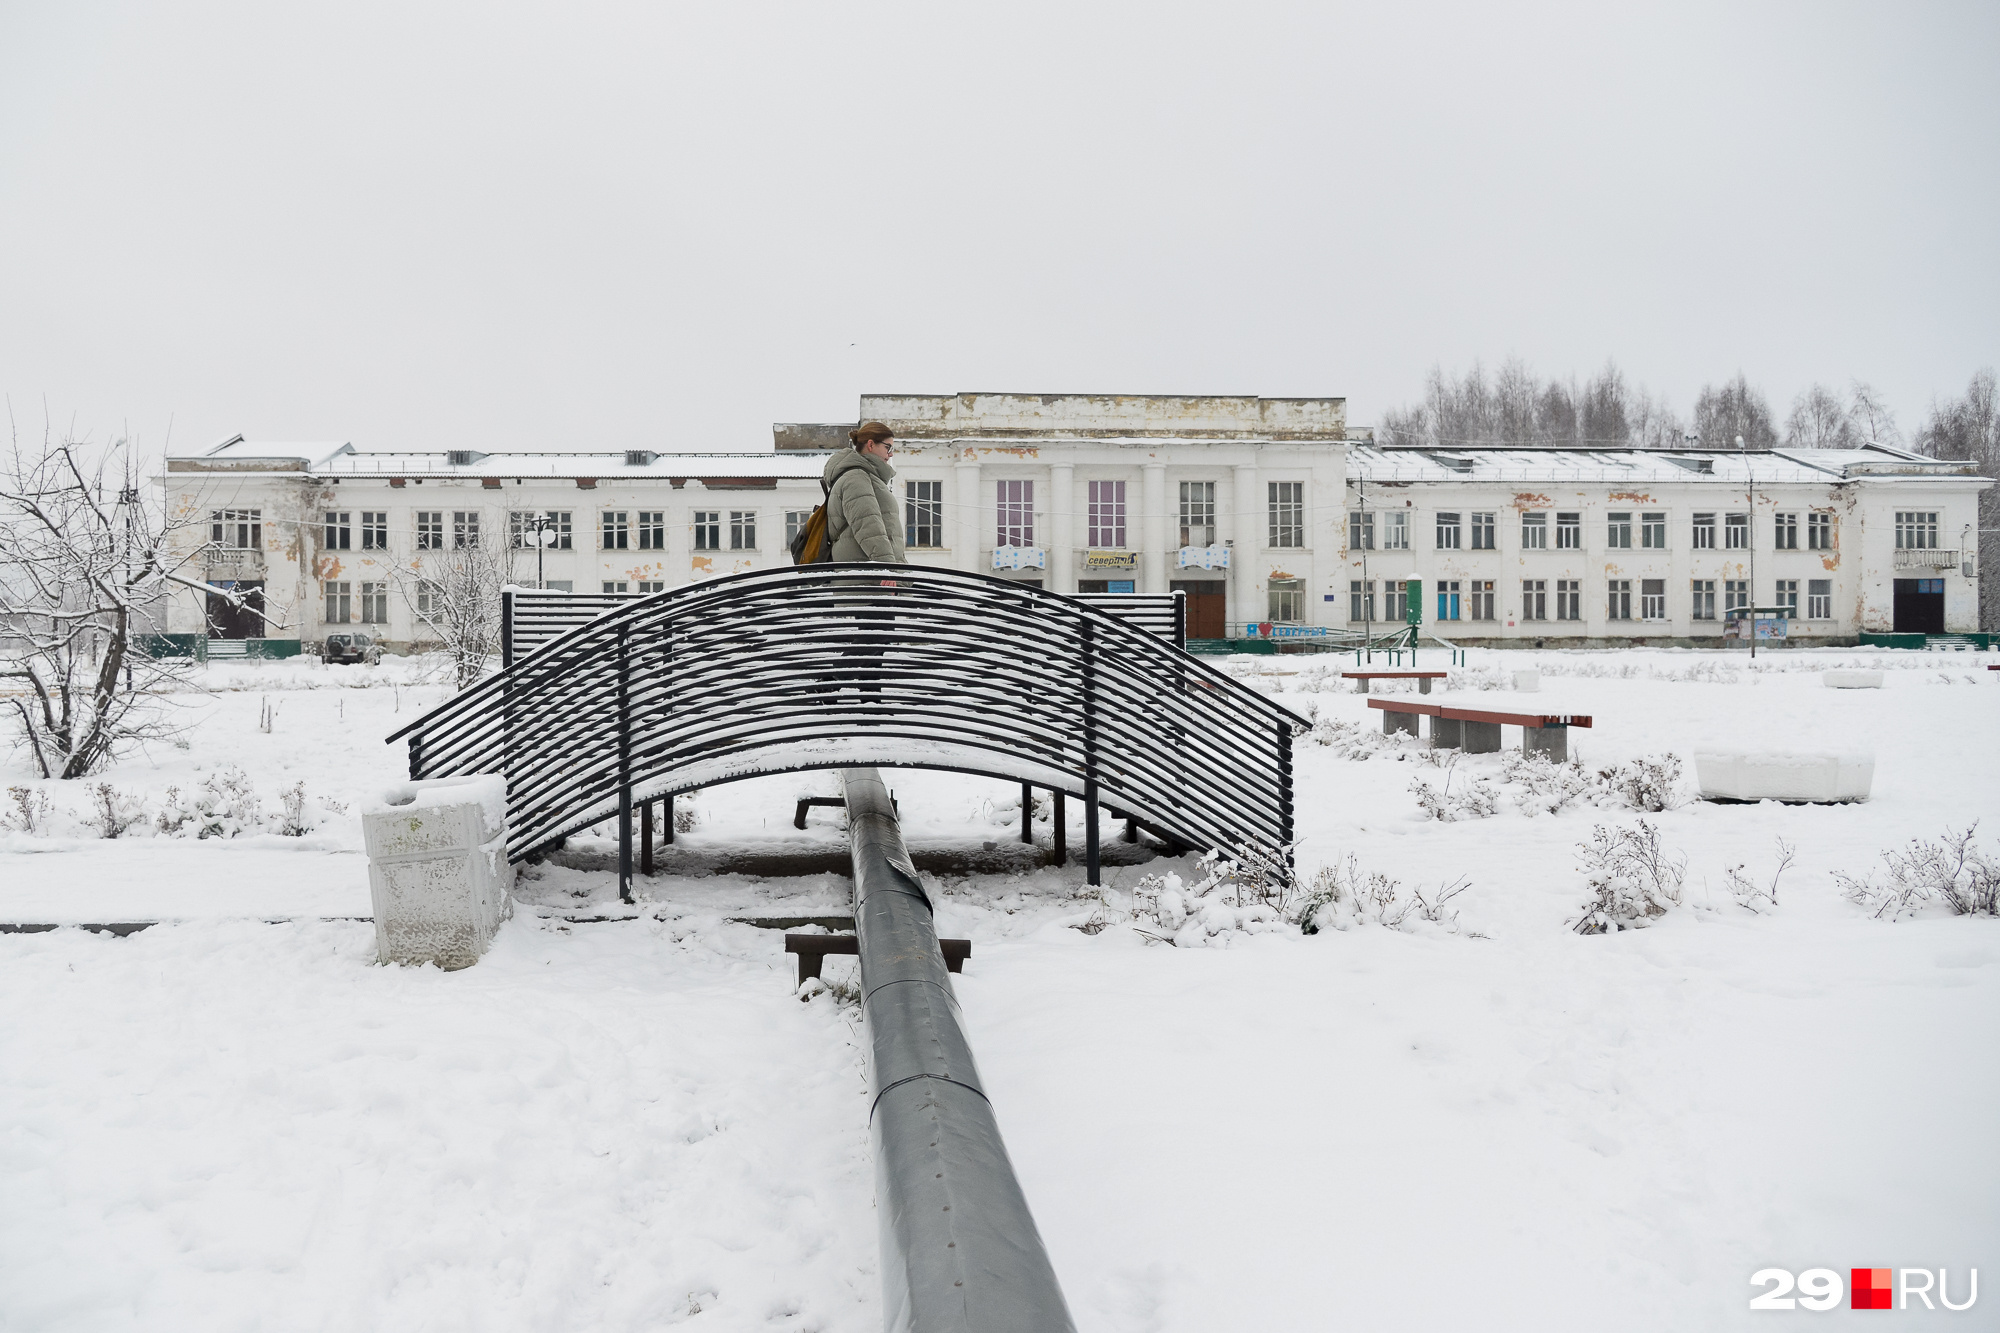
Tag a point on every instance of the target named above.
point(1265, 511)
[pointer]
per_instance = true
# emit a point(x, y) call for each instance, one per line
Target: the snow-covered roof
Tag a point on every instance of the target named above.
point(1730, 467)
point(344, 460)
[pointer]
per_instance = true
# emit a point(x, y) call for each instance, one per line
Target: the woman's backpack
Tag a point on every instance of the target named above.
point(814, 543)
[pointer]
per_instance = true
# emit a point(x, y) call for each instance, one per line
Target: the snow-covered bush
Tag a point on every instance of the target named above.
point(1475, 798)
point(1651, 782)
point(687, 815)
point(1245, 894)
point(1341, 897)
point(31, 810)
point(1951, 869)
point(1545, 785)
point(224, 806)
point(301, 812)
point(112, 812)
point(1632, 879)
point(1748, 893)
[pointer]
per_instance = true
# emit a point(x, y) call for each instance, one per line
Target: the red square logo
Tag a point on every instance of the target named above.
point(1870, 1289)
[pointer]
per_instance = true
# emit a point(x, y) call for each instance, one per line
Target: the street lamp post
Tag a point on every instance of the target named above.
point(544, 528)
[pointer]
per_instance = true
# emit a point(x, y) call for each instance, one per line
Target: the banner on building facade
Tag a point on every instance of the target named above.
point(1204, 557)
point(1019, 557)
point(1110, 559)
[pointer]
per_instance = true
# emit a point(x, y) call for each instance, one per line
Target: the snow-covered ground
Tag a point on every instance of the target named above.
point(234, 1121)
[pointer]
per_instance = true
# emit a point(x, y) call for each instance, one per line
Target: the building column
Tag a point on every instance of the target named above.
point(1154, 562)
point(966, 525)
point(1062, 528)
point(1246, 558)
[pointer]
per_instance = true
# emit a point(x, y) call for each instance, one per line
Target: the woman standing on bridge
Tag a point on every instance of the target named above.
point(865, 521)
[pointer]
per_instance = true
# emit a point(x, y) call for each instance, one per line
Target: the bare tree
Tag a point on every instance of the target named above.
point(1731, 411)
point(1871, 419)
point(455, 594)
point(1968, 429)
point(1819, 420)
point(85, 568)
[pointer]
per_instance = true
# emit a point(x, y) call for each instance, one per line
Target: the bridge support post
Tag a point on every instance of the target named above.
point(624, 768)
point(1060, 820)
point(1091, 865)
point(1028, 813)
point(646, 838)
point(667, 820)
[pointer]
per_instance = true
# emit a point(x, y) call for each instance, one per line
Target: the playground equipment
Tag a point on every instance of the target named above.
point(822, 666)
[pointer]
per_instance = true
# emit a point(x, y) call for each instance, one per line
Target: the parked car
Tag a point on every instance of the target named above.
point(345, 649)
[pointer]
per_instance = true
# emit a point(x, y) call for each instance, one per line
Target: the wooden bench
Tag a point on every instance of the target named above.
point(813, 949)
point(1477, 730)
point(815, 802)
point(1423, 678)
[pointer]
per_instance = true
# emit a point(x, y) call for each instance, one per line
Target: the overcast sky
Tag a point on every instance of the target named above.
point(480, 225)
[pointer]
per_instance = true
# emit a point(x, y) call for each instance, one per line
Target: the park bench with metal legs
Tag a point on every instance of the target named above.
point(813, 949)
point(1477, 730)
point(1423, 678)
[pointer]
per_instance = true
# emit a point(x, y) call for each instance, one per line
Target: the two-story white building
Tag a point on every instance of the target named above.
point(1261, 510)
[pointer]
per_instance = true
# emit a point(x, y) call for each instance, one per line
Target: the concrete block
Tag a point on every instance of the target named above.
point(1746, 774)
point(1423, 685)
point(438, 869)
point(1528, 682)
point(1446, 733)
point(1851, 680)
point(1393, 722)
point(1480, 737)
point(1550, 742)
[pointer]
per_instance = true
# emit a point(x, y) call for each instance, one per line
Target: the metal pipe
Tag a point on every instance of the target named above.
point(959, 1247)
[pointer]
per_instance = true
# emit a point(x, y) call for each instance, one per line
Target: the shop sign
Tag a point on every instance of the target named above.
point(1019, 557)
point(1110, 559)
point(1266, 629)
point(1204, 557)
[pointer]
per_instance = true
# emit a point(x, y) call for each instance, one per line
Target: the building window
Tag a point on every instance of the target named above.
point(1361, 531)
point(614, 585)
point(1395, 532)
point(652, 529)
point(1569, 598)
point(1735, 595)
point(1785, 528)
point(708, 529)
point(1704, 599)
point(1619, 603)
point(1704, 532)
point(237, 529)
point(339, 532)
point(1197, 513)
point(1288, 598)
point(652, 586)
point(1788, 599)
point(1618, 531)
point(339, 603)
point(1819, 532)
point(464, 529)
point(1534, 599)
point(614, 530)
point(1819, 599)
point(374, 530)
point(430, 529)
point(1447, 531)
point(923, 515)
point(1916, 531)
point(560, 585)
point(1569, 532)
point(430, 600)
point(1361, 600)
point(1535, 531)
point(1288, 513)
point(1016, 516)
point(1482, 532)
point(521, 526)
point(1652, 599)
point(1736, 531)
point(742, 529)
point(374, 603)
point(1653, 532)
point(1448, 600)
point(796, 519)
point(1107, 515)
point(1395, 600)
point(1482, 600)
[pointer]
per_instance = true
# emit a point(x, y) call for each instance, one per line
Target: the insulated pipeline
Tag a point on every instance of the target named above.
point(960, 1252)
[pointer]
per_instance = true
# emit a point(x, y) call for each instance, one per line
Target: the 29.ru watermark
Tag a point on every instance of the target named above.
point(1867, 1288)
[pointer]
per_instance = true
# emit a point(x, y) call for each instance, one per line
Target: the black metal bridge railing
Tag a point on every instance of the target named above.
point(822, 666)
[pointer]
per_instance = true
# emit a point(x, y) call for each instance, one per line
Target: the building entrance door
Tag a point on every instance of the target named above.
point(1207, 607)
point(1919, 606)
point(228, 621)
